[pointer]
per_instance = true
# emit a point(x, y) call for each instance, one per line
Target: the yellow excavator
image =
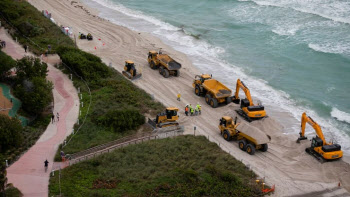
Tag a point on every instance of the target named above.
point(248, 111)
point(130, 70)
point(165, 119)
point(320, 148)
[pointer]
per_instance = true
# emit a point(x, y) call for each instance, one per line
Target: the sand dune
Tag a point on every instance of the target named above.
point(285, 163)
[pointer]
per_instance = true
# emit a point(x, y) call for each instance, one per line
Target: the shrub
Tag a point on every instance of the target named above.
point(10, 133)
point(122, 120)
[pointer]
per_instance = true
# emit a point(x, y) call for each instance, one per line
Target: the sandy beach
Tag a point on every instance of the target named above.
point(285, 164)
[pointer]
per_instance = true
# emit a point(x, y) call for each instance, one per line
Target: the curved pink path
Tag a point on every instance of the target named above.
point(28, 173)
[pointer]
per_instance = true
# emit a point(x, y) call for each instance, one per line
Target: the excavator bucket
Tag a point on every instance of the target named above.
point(301, 138)
point(234, 100)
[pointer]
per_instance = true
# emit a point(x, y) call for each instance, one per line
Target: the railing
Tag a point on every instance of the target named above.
point(123, 142)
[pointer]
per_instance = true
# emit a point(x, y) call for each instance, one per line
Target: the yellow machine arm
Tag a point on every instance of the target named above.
point(240, 85)
point(307, 119)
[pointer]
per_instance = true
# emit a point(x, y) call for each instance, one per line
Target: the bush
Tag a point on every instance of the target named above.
point(10, 133)
point(122, 120)
point(89, 66)
point(6, 64)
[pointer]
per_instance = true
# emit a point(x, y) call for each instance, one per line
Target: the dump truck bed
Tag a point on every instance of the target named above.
point(253, 132)
point(217, 88)
point(166, 59)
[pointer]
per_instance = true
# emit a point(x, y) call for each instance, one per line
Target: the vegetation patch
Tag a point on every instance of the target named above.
point(181, 166)
point(30, 27)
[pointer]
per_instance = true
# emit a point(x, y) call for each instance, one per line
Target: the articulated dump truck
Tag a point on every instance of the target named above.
point(249, 137)
point(214, 91)
point(164, 63)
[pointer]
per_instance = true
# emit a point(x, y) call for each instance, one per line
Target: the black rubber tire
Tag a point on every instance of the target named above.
point(227, 135)
point(166, 73)
point(161, 70)
point(242, 144)
point(197, 91)
point(213, 102)
point(264, 147)
point(228, 100)
point(152, 65)
point(177, 73)
point(250, 149)
point(207, 98)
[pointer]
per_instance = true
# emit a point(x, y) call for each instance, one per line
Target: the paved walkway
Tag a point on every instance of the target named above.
point(28, 173)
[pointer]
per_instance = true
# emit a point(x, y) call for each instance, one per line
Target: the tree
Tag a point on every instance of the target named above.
point(3, 178)
point(30, 67)
point(10, 133)
point(6, 64)
point(35, 94)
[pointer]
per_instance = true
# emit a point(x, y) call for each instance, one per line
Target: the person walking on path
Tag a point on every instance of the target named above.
point(46, 165)
point(25, 48)
point(52, 118)
point(179, 97)
point(58, 117)
point(186, 110)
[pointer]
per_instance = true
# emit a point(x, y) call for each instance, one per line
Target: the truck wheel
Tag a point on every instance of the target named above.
point(177, 74)
point(197, 91)
point(165, 73)
point(207, 98)
point(213, 102)
point(264, 147)
point(228, 100)
point(242, 144)
point(161, 70)
point(250, 149)
point(152, 65)
point(227, 135)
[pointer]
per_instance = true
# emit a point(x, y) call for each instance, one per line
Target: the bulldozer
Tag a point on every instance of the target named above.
point(164, 63)
point(130, 70)
point(165, 119)
point(249, 138)
point(248, 110)
point(320, 148)
point(214, 91)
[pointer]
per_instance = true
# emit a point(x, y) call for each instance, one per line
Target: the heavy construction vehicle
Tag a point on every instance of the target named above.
point(89, 37)
point(165, 119)
point(164, 63)
point(248, 111)
point(320, 148)
point(130, 70)
point(249, 138)
point(214, 91)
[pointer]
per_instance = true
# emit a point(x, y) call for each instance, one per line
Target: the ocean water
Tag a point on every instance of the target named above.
point(294, 55)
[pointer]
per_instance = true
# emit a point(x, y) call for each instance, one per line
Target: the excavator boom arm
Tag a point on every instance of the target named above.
point(307, 119)
point(241, 85)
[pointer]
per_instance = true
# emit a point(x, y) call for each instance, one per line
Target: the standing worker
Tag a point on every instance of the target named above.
point(196, 110)
point(199, 109)
point(186, 110)
point(179, 97)
point(191, 110)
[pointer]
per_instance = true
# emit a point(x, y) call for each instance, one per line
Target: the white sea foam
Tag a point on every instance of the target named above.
point(330, 48)
point(340, 115)
point(286, 31)
point(333, 10)
point(204, 56)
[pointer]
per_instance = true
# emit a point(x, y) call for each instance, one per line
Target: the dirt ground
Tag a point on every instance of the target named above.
point(5, 104)
point(285, 164)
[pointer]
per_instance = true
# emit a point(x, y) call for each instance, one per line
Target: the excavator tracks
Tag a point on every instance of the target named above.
point(319, 157)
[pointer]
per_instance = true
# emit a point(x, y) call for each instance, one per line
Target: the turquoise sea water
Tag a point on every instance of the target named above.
point(294, 55)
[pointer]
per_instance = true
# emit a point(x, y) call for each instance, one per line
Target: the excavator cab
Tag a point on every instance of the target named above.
point(165, 119)
point(130, 70)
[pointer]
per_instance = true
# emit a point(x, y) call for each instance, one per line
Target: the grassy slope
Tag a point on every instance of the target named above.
point(184, 166)
point(32, 24)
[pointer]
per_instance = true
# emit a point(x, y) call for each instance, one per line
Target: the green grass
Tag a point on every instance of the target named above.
point(114, 102)
point(29, 22)
point(182, 166)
